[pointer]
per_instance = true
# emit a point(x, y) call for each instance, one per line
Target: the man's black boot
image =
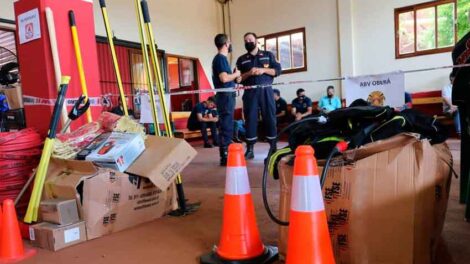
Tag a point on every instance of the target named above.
point(236, 139)
point(223, 156)
point(250, 154)
point(272, 145)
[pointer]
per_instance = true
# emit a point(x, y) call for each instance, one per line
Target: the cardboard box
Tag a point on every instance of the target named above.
point(14, 96)
point(162, 160)
point(111, 201)
point(55, 237)
point(59, 211)
point(385, 202)
point(118, 151)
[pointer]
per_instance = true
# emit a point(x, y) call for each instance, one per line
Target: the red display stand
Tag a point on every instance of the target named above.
point(35, 57)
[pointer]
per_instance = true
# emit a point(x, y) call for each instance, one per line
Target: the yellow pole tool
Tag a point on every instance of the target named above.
point(78, 55)
point(183, 207)
point(148, 72)
point(156, 68)
point(32, 211)
point(113, 55)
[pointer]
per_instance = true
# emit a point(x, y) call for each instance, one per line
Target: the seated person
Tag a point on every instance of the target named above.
point(329, 102)
point(301, 106)
point(408, 101)
point(204, 115)
point(281, 107)
point(119, 110)
point(239, 130)
point(450, 109)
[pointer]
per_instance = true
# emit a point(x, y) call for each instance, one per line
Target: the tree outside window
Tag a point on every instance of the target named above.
point(431, 27)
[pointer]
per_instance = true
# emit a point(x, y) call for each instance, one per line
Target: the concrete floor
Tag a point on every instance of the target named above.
point(182, 240)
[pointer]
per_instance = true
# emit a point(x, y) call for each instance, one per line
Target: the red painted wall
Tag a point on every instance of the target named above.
point(37, 71)
point(108, 82)
point(204, 83)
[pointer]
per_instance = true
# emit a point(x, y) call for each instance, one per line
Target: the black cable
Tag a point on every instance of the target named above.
point(265, 170)
point(327, 166)
point(265, 195)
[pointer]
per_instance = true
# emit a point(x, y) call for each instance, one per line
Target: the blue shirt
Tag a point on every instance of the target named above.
point(263, 59)
point(302, 106)
point(200, 108)
point(329, 104)
point(219, 65)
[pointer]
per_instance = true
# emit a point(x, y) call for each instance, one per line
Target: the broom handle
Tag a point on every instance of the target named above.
point(56, 60)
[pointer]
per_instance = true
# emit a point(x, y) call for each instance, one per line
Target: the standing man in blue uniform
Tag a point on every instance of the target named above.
point(258, 68)
point(222, 77)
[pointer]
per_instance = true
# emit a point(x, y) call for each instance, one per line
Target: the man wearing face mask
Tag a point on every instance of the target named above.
point(301, 106)
point(222, 77)
point(258, 68)
point(330, 102)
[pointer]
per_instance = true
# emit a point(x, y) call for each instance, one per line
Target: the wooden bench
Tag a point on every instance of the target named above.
point(431, 103)
point(188, 134)
point(180, 122)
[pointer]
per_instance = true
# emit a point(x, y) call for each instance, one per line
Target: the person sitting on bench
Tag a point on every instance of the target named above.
point(204, 115)
point(450, 109)
point(301, 106)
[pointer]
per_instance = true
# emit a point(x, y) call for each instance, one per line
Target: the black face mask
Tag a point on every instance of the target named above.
point(330, 95)
point(302, 97)
point(250, 46)
point(230, 48)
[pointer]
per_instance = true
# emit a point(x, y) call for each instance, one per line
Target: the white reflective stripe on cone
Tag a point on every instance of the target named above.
point(236, 181)
point(306, 194)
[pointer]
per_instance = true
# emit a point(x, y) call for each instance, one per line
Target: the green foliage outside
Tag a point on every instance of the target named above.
point(463, 25)
point(445, 26)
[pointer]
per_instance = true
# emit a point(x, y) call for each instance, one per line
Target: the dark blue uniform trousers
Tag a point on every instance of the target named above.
point(255, 101)
point(226, 107)
point(213, 127)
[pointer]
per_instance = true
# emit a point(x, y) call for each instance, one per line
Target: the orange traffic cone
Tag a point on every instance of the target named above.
point(240, 240)
point(11, 245)
point(309, 239)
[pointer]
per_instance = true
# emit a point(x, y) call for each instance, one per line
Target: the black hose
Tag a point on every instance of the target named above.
point(265, 195)
point(333, 152)
point(265, 170)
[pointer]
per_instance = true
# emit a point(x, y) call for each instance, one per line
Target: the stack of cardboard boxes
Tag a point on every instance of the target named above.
point(61, 226)
point(85, 200)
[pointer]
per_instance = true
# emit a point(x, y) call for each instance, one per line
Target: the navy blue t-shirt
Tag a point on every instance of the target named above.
point(302, 106)
point(219, 65)
point(281, 105)
point(200, 108)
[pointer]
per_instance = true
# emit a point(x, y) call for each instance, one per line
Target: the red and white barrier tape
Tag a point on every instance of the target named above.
point(104, 100)
point(32, 100)
point(239, 87)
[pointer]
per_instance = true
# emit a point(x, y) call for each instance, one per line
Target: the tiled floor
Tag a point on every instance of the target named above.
point(181, 240)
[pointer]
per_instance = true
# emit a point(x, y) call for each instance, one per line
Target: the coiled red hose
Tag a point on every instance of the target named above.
point(19, 156)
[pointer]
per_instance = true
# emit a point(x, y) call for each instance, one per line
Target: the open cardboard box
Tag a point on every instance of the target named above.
point(14, 96)
point(111, 201)
point(385, 202)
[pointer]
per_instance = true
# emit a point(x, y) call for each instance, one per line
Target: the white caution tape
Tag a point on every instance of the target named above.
point(237, 88)
point(104, 100)
point(32, 100)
